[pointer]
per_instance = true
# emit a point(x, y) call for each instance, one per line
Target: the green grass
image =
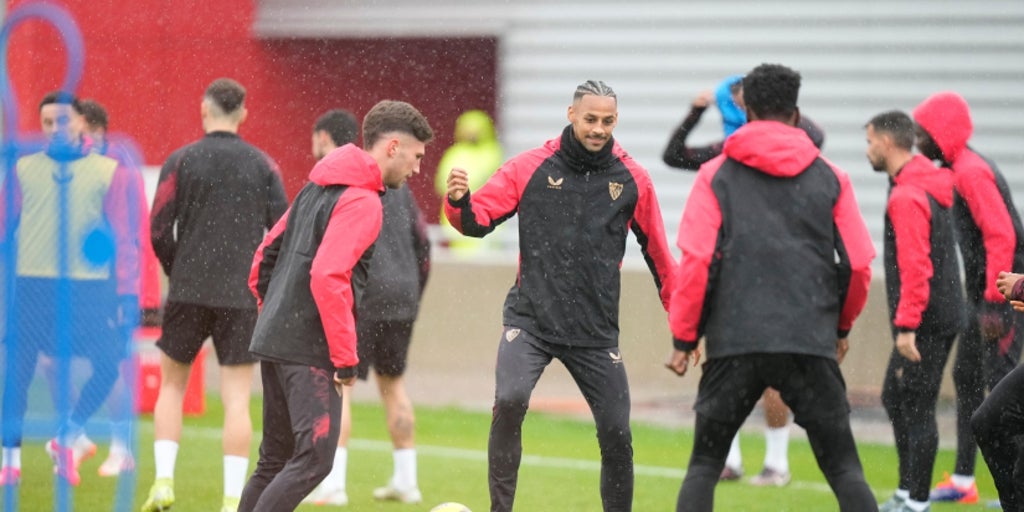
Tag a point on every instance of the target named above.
point(560, 470)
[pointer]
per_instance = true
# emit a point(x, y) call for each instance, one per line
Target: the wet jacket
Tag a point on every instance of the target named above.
point(922, 274)
point(215, 201)
point(311, 267)
point(575, 209)
point(988, 226)
point(401, 262)
point(776, 256)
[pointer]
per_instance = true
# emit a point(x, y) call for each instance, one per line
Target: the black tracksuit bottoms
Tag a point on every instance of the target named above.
point(301, 411)
point(812, 386)
point(979, 365)
point(909, 394)
point(999, 428)
point(601, 377)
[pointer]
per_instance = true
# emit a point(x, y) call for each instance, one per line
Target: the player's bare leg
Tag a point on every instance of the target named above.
point(167, 431)
point(236, 392)
point(401, 426)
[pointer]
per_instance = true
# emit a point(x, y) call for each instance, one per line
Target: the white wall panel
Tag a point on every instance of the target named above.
point(857, 58)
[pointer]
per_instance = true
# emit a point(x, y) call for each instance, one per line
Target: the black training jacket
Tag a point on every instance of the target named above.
point(575, 209)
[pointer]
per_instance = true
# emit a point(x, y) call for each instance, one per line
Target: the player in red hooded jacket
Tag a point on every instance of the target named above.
point(307, 276)
point(775, 269)
point(991, 239)
point(922, 280)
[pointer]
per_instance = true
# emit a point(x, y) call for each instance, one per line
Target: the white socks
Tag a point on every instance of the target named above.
point(118, 446)
point(12, 457)
point(166, 453)
point(735, 459)
point(404, 478)
point(776, 453)
point(962, 480)
point(336, 478)
point(235, 470)
point(916, 506)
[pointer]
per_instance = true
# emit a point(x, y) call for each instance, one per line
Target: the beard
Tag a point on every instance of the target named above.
point(878, 165)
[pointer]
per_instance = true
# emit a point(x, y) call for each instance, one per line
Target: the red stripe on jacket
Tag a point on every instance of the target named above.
point(702, 219)
point(354, 225)
point(910, 214)
point(861, 251)
point(499, 197)
point(647, 218)
point(976, 184)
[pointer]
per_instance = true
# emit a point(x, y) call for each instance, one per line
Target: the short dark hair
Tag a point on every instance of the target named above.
point(394, 116)
point(94, 113)
point(340, 124)
point(770, 91)
point(62, 98)
point(227, 94)
point(736, 86)
point(595, 87)
point(898, 125)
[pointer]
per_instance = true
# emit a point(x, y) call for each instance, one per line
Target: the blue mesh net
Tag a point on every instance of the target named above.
point(70, 225)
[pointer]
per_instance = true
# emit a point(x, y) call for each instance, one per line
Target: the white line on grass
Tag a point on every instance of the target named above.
point(446, 452)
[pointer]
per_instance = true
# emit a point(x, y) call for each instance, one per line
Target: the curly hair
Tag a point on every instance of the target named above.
point(394, 116)
point(770, 91)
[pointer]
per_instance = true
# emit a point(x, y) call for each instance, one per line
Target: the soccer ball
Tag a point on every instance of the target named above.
point(450, 507)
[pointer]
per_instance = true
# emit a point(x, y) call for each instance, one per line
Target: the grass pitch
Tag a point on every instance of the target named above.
point(560, 469)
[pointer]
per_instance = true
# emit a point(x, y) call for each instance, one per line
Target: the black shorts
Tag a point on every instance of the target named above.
point(812, 386)
point(383, 344)
point(90, 322)
point(186, 327)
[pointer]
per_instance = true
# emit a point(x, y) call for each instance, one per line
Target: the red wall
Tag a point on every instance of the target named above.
point(149, 62)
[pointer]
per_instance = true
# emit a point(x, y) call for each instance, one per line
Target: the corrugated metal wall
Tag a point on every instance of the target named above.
point(857, 58)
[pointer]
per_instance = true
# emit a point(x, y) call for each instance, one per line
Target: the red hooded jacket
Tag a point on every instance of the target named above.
point(776, 256)
point(991, 237)
point(311, 267)
point(922, 275)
